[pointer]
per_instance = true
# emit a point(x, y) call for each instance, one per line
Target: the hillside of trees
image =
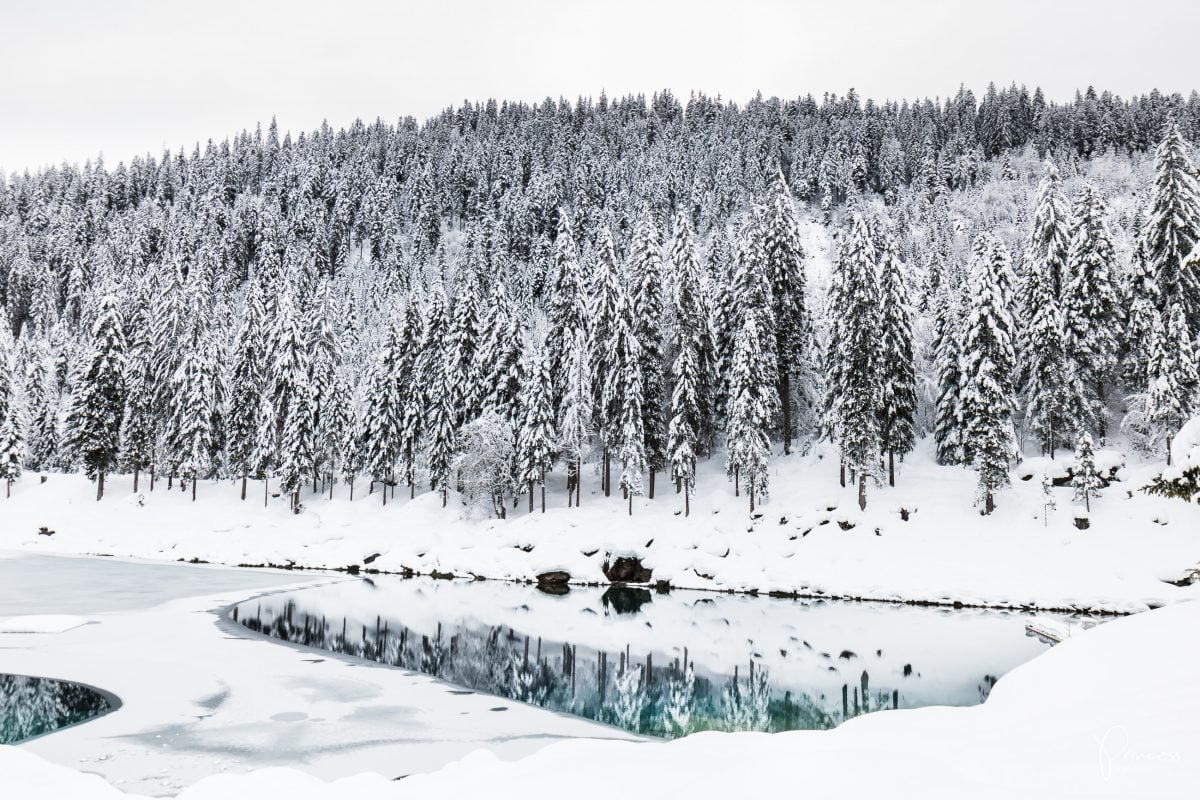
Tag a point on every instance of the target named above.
point(609, 290)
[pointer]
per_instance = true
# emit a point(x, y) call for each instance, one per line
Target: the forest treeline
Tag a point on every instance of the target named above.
point(508, 290)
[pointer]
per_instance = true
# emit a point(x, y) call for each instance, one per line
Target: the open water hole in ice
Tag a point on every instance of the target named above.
point(660, 664)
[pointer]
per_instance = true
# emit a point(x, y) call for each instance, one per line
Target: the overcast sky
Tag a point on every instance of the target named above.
point(80, 77)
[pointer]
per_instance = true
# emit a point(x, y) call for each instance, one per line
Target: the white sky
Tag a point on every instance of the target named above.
point(80, 77)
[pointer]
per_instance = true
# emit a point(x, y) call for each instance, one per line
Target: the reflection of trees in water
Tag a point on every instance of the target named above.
point(641, 696)
point(32, 706)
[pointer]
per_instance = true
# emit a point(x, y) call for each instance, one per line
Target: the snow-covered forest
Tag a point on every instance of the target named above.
point(607, 291)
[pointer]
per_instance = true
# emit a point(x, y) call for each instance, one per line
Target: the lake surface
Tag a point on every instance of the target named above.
point(660, 664)
point(31, 706)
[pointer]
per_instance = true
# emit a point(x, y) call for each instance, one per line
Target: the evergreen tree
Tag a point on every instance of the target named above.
point(623, 393)
point(1085, 479)
point(535, 452)
point(947, 357)
point(1174, 378)
point(898, 392)
point(785, 266)
point(10, 453)
point(575, 418)
point(857, 383)
point(692, 331)
point(1047, 387)
point(1046, 250)
point(464, 342)
point(1172, 227)
point(245, 383)
point(607, 302)
point(751, 405)
point(566, 306)
point(646, 276)
point(1090, 308)
point(99, 397)
point(381, 421)
point(987, 398)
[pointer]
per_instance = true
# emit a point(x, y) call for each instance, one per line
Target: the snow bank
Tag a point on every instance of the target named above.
point(1110, 713)
point(42, 623)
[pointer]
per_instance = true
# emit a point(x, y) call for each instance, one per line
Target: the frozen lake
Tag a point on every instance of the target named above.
point(660, 664)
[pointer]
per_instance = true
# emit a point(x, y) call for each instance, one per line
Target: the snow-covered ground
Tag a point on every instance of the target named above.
point(201, 696)
point(1110, 713)
point(810, 538)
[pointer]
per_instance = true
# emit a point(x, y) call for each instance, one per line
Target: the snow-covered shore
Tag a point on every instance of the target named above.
point(1111, 713)
point(809, 539)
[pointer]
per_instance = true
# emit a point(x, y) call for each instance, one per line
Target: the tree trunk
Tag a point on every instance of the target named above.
point(578, 479)
point(862, 491)
point(1169, 437)
point(99, 486)
point(630, 495)
point(194, 479)
point(607, 474)
point(135, 476)
point(445, 497)
point(989, 504)
point(651, 484)
point(842, 474)
point(687, 506)
point(352, 488)
point(266, 490)
point(243, 486)
point(152, 479)
point(678, 484)
point(531, 497)
point(543, 498)
point(752, 498)
point(891, 468)
point(385, 494)
point(737, 485)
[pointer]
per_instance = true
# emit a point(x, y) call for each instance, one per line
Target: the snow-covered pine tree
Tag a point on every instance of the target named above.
point(897, 370)
point(607, 301)
point(1044, 266)
point(624, 393)
point(138, 423)
point(1172, 227)
point(411, 391)
point(646, 278)
point(98, 400)
point(566, 305)
point(752, 397)
point(987, 398)
point(857, 384)
point(245, 383)
point(382, 410)
point(500, 356)
point(294, 400)
point(1085, 479)
point(41, 407)
point(1174, 377)
point(785, 266)
point(350, 449)
point(327, 395)
point(464, 341)
point(576, 412)
point(10, 452)
point(535, 438)
point(296, 457)
point(441, 428)
point(1048, 383)
point(947, 358)
point(1090, 308)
